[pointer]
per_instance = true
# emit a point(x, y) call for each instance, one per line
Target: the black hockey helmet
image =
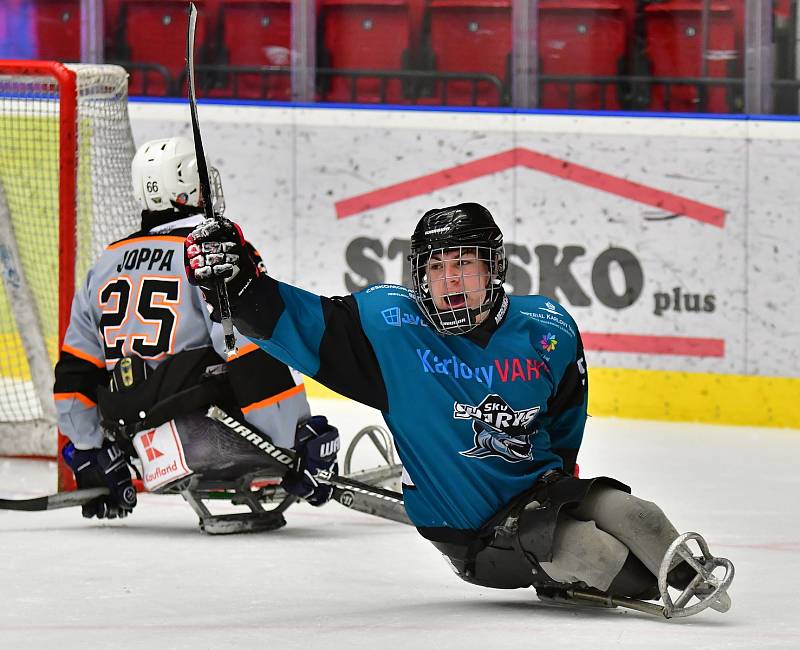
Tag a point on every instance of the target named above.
point(467, 226)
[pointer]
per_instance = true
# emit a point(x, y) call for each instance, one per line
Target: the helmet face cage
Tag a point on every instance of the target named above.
point(454, 285)
point(217, 197)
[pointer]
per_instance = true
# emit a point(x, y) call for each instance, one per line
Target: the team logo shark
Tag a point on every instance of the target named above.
point(499, 429)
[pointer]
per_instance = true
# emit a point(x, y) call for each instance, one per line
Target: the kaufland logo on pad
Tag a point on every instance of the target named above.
point(147, 442)
point(161, 453)
point(162, 472)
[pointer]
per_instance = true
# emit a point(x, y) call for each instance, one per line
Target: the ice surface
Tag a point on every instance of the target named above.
point(334, 578)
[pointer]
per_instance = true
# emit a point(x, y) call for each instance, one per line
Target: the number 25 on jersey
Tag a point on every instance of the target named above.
point(139, 317)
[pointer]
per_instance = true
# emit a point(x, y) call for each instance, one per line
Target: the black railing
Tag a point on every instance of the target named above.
point(435, 87)
point(635, 92)
point(416, 85)
point(786, 96)
point(146, 71)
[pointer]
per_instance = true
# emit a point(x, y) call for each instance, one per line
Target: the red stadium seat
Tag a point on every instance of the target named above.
point(155, 32)
point(366, 35)
point(257, 32)
point(57, 25)
point(576, 39)
point(470, 36)
point(674, 49)
point(782, 8)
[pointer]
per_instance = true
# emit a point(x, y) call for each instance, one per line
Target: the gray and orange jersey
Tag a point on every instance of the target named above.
point(136, 301)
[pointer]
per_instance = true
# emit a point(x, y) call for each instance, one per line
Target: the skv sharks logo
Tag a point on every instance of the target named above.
point(499, 429)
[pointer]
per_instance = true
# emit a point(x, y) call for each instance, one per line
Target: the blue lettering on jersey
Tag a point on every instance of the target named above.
point(413, 319)
point(508, 370)
point(394, 317)
point(455, 367)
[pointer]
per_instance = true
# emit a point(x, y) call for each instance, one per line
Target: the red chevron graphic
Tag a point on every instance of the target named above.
point(671, 203)
point(520, 156)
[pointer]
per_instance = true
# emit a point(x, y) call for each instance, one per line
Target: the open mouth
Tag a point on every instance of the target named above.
point(456, 301)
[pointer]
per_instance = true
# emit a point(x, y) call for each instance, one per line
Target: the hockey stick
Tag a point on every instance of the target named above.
point(372, 500)
point(54, 501)
point(205, 183)
point(356, 496)
point(350, 492)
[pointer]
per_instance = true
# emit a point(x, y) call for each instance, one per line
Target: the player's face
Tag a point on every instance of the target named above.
point(457, 279)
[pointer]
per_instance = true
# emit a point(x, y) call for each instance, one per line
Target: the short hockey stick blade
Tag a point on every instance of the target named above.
point(54, 501)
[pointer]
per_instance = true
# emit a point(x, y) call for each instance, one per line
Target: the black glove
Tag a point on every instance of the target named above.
point(104, 467)
point(316, 444)
point(217, 250)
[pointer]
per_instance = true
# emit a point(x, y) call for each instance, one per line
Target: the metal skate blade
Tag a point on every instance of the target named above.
point(721, 603)
point(245, 522)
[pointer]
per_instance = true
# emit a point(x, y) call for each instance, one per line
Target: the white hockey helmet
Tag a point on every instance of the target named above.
point(164, 174)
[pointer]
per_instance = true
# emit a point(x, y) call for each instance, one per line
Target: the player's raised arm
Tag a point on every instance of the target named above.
point(322, 337)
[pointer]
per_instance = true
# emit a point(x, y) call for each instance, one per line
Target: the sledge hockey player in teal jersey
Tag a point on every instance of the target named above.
point(139, 326)
point(486, 397)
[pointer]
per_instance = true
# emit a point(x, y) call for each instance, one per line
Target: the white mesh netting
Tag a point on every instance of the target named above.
point(29, 224)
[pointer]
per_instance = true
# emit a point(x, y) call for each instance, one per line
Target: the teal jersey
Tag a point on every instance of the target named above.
point(476, 418)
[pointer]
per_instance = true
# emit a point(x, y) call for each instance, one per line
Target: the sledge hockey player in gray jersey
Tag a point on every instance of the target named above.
point(486, 396)
point(142, 362)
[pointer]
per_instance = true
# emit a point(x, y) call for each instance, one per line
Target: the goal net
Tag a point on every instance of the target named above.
point(65, 193)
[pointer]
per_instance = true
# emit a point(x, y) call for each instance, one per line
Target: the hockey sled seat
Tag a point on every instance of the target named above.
point(580, 38)
point(364, 35)
point(674, 42)
point(470, 36)
point(57, 26)
point(257, 33)
point(154, 32)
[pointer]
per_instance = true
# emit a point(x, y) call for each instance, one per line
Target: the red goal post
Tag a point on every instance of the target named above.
point(65, 193)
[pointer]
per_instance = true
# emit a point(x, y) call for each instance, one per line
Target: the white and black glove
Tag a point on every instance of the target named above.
point(217, 250)
point(105, 467)
point(316, 444)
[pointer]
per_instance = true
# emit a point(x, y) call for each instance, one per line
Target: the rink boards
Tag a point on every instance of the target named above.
point(674, 242)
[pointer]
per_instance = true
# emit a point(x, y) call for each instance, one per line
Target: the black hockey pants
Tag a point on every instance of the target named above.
point(609, 540)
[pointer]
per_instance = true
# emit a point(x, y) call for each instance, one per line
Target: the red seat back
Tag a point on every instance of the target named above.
point(57, 25)
point(155, 32)
point(364, 34)
point(258, 32)
point(576, 39)
point(674, 48)
point(470, 36)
